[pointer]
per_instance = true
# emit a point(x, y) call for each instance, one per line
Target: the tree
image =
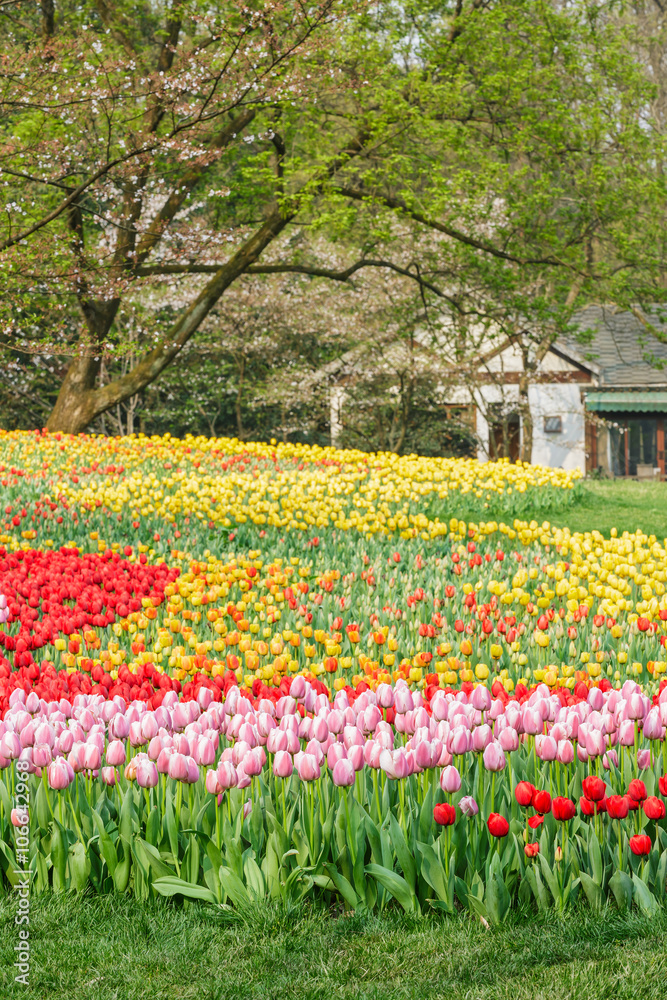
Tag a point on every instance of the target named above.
point(146, 142)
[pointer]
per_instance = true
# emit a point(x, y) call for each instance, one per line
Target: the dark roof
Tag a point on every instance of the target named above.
point(626, 353)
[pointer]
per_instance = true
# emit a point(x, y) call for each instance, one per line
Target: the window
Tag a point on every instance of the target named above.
point(553, 425)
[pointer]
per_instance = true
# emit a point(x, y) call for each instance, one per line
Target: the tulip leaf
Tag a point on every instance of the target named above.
point(595, 857)
point(497, 899)
point(5, 800)
point(121, 875)
point(342, 885)
point(643, 896)
point(173, 886)
point(432, 871)
point(79, 866)
point(10, 870)
point(254, 879)
point(405, 859)
point(59, 849)
point(374, 839)
point(550, 878)
point(107, 847)
point(621, 885)
point(150, 857)
point(42, 807)
point(593, 891)
point(539, 889)
point(153, 826)
point(190, 867)
point(396, 885)
point(426, 815)
point(661, 875)
point(234, 887)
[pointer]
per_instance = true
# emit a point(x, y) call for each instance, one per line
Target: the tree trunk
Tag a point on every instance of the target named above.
point(526, 451)
point(79, 402)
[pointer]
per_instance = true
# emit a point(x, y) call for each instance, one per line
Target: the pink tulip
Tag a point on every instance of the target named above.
point(481, 738)
point(355, 755)
point(385, 695)
point(546, 747)
point(395, 763)
point(565, 752)
point(450, 780)
point(10, 746)
point(59, 774)
point(532, 722)
point(41, 755)
point(481, 698)
point(335, 722)
point(108, 775)
point(276, 741)
point(282, 765)
point(459, 741)
point(147, 774)
point(626, 733)
point(343, 773)
point(652, 728)
point(494, 758)
point(403, 699)
point(468, 806)
point(643, 759)
point(307, 767)
point(609, 758)
point(91, 758)
point(162, 762)
point(509, 740)
point(178, 767)
point(298, 687)
point(227, 776)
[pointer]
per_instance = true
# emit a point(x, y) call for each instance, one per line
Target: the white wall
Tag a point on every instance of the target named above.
point(566, 450)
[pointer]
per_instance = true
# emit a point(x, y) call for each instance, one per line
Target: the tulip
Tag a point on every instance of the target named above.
point(643, 759)
point(524, 793)
point(282, 765)
point(593, 788)
point(450, 780)
point(546, 747)
point(563, 809)
point(565, 752)
point(654, 808)
point(343, 773)
point(509, 740)
point(355, 755)
point(227, 775)
point(59, 774)
point(468, 806)
point(494, 758)
point(178, 767)
point(652, 728)
point(531, 850)
point(307, 767)
point(41, 755)
point(108, 775)
point(640, 844)
point(444, 814)
point(213, 786)
point(498, 825)
point(617, 806)
point(481, 738)
point(147, 773)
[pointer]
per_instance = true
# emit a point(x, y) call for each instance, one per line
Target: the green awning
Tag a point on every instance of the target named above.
point(628, 402)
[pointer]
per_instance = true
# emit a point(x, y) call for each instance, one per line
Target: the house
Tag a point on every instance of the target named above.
point(599, 406)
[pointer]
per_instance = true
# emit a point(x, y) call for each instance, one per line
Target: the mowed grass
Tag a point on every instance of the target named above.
point(602, 505)
point(113, 948)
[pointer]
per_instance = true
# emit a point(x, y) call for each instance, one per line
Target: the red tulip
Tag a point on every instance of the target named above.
point(587, 807)
point(637, 790)
point(498, 825)
point(523, 793)
point(617, 806)
point(530, 850)
point(662, 785)
point(444, 814)
point(640, 844)
point(654, 807)
point(535, 821)
point(542, 802)
point(563, 808)
point(593, 788)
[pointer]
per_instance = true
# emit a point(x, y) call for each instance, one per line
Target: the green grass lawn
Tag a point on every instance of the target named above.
point(601, 504)
point(112, 948)
point(621, 504)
